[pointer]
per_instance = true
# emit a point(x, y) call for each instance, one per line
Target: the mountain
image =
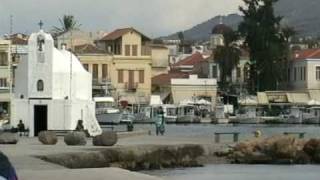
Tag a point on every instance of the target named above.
point(303, 15)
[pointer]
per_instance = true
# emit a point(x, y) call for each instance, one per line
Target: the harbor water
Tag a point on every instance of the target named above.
point(238, 172)
point(246, 131)
point(241, 172)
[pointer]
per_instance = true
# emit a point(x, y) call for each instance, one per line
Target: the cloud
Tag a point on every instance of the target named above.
point(153, 17)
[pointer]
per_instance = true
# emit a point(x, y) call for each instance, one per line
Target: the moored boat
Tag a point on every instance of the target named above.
point(106, 112)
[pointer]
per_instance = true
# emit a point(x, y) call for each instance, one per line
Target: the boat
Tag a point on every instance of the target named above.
point(146, 114)
point(186, 114)
point(126, 118)
point(3, 124)
point(246, 115)
point(170, 113)
point(294, 116)
point(219, 116)
point(311, 115)
point(106, 111)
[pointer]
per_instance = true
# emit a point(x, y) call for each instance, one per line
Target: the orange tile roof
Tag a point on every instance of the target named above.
point(165, 79)
point(191, 60)
point(307, 54)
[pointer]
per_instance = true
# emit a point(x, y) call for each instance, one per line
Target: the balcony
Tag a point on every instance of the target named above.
point(131, 87)
point(101, 83)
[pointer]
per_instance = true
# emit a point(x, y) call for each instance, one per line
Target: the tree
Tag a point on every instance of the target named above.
point(264, 38)
point(227, 56)
point(181, 37)
point(287, 33)
point(67, 23)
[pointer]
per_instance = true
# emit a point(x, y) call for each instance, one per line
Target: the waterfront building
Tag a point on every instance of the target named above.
point(5, 79)
point(127, 64)
point(98, 62)
point(161, 84)
point(53, 90)
point(304, 70)
point(194, 88)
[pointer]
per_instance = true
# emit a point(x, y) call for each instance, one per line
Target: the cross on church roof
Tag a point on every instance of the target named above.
point(40, 24)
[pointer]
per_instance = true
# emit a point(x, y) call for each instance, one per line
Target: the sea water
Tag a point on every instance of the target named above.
point(241, 172)
point(238, 172)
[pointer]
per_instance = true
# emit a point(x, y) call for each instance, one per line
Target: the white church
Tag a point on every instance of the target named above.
point(53, 90)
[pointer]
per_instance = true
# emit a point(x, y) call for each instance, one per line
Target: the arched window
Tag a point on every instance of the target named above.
point(40, 42)
point(40, 85)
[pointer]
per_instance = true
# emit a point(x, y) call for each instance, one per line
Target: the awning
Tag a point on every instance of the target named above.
point(155, 100)
point(203, 102)
point(298, 98)
point(262, 98)
point(314, 103)
point(248, 101)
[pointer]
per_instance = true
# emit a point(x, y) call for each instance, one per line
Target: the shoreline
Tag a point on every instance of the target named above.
point(24, 155)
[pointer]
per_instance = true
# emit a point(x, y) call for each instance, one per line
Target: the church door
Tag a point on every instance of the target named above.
point(40, 118)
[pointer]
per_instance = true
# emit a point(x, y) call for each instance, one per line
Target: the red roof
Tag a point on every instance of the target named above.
point(307, 54)
point(119, 33)
point(18, 41)
point(191, 60)
point(165, 79)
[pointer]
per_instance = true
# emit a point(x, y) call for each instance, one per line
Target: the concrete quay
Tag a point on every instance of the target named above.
point(22, 156)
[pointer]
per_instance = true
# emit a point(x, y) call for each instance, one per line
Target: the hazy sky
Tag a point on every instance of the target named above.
point(153, 17)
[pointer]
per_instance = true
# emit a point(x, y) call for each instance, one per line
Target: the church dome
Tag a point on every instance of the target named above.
point(221, 29)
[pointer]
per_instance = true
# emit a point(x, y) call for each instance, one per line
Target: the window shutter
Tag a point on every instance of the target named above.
point(141, 76)
point(120, 76)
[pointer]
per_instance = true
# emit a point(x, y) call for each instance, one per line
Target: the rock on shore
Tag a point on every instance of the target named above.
point(8, 138)
point(107, 138)
point(76, 138)
point(276, 150)
point(48, 137)
point(144, 158)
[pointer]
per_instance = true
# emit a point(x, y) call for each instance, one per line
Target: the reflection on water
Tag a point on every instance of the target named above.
point(241, 172)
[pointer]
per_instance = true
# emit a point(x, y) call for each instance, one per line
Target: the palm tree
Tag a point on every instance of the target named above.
point(67, 23)
point(227, 56)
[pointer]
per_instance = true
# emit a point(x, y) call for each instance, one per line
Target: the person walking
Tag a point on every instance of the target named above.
point(160, 129)
point(21, 128)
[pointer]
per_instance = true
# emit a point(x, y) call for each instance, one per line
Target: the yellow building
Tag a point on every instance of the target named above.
point(5, 78)
point(128, 65)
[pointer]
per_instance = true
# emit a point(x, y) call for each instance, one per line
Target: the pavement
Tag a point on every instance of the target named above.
point(28, 167)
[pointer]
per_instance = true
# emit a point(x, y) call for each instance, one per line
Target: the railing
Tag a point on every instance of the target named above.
point(101, 81)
